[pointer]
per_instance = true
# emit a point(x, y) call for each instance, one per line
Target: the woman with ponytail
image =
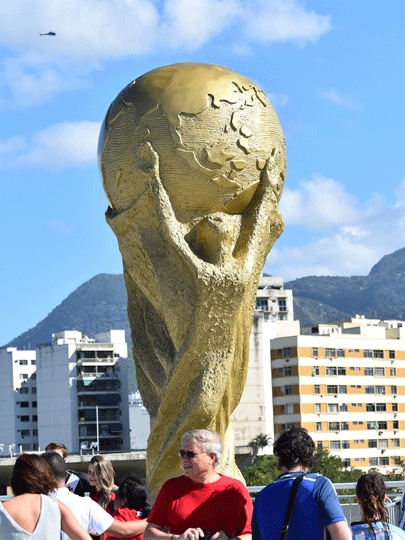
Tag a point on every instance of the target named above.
point(370, 492)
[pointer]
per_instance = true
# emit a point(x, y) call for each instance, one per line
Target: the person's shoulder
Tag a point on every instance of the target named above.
point(126, 514)
point(398, 531)
point(229, 481)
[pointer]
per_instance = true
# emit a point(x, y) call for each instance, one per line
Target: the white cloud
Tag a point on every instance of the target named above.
point(338, 98)
point(62, 227)
point(356, 238)
point(60, 145)
point(90, 32)
point(284, 20)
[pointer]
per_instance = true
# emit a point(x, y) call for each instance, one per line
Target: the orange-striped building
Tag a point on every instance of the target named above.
point(344, 383)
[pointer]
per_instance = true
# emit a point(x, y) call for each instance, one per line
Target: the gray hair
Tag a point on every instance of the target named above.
point(209, 441)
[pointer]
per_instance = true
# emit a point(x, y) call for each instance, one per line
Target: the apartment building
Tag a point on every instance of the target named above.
point(83, 391)
point(344, 383)
point(18, 400)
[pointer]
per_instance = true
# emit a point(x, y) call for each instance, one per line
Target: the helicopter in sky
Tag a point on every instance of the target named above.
point(48, 34)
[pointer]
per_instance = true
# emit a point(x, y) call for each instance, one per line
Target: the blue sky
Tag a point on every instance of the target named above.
point(334, 72)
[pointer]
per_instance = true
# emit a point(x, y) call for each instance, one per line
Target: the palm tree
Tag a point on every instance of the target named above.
point(260, 442)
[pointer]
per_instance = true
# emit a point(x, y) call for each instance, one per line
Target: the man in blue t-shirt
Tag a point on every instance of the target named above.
point(316, 504)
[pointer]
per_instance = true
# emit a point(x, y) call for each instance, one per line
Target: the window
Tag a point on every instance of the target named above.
point(381, 407)
point(378, 353)
point(35, 432)
point(334, 445)
point(383, 461)
point(381, 425)
point(342, 389)
point(343, 407)
point(345, 445)
point(393, 372)
point(318, 426)
point(330, 353)
point(315, 351)
point(368, 353)
point(379, 372)
point(392, 354)
point(372, 443)
point(23, 376)
point(319, 444)
point(331, 389)
point(396, 443)
point(346, 462)
point(380, 389)
point(341, 371)
point(373, 462)
point(317, 389)
point(382, 443)
point(280, 370)
point(289, 408)
point(25, 418)
point(317, 408)
point(23, 362)
point(24, 390)
point(35, 418)
point(33, 362)
point(370, 407)
point(394, 407)
point(315, 371)
point(344, 426)
point(287, 371)
point(34, 404)
point(280, 352)
point(369, 389)
point(34, 390)
point(340, 353)
point(262, 304)
point(286, 427)
point(24, 404)
point(395, 424)
point(25, 432)
point(331, 371)
point(287, 352)
point(34, 376)
point(333, 408)
point(334, 426)
point(282, 305)
point(368, 371)
point(372, 425)
point(394, 390)
point(282, 409)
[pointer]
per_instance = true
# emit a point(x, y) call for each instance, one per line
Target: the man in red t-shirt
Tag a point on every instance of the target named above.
point(201, 502)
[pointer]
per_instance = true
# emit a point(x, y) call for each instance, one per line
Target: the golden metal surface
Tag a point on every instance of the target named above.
point(192, 158)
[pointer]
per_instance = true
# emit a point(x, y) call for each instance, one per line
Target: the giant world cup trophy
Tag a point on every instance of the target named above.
point(192, 158)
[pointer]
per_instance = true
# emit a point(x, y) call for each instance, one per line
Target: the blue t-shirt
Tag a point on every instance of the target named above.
point(316, 506)
point(383, 531)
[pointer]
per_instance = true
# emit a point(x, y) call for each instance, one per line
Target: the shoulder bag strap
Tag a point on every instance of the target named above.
point(291, 500)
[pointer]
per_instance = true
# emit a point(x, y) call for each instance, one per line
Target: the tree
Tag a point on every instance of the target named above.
point(259, 443)
point(263, 471)
point(333, 467)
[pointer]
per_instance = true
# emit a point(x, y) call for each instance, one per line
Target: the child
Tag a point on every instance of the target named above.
point(130, 504)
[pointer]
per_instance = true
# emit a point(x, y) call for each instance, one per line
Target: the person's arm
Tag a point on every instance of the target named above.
point(126, 528)
point(154, 532)
point(70, 525)
point(339, 531)
point(220, 535)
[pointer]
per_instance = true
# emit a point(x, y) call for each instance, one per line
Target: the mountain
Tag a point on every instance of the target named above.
point(100, 303)
point(381, 294)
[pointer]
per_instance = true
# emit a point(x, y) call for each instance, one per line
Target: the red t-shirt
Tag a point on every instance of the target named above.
point(224, 505)
point(125, 514)
point(96, 497)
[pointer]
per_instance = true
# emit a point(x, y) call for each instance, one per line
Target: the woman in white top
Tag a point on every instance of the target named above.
point(31, 514)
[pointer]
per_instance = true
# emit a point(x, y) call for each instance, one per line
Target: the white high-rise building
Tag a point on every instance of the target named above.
point(18, 400)
point(83, 391)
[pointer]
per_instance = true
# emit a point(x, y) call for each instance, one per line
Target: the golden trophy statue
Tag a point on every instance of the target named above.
point(192, 158)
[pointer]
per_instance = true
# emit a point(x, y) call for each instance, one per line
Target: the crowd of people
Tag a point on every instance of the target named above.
point(52, 502)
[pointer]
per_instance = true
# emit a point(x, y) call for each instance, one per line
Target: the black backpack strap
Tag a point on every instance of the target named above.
point(291, 500)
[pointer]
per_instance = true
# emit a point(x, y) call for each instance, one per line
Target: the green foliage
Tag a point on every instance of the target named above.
point(263, 471)
point(261, 441)
point(333, 467)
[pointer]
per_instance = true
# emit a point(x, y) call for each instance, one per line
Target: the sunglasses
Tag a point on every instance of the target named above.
point(188, 454)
